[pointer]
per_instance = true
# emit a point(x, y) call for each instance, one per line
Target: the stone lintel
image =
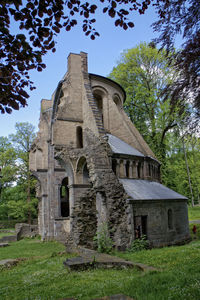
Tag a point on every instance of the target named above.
point(62, 218)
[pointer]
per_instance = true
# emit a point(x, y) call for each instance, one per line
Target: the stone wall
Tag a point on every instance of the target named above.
point(158, 231)
point(87, 214)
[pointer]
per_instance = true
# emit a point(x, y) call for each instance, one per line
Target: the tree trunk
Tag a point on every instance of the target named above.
point(188, 173)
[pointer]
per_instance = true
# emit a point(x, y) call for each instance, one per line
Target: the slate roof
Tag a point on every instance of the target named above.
point(148, 190)
point(120, 147)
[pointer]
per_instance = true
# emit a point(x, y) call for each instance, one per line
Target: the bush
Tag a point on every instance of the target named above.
point(102, 239)
point(139, 244)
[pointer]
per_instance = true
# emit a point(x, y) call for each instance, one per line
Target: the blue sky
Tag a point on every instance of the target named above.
point(103, 54)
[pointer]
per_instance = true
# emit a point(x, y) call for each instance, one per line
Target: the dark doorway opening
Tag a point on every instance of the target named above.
point(64, 198)
point(140, 225)
point(114, 166)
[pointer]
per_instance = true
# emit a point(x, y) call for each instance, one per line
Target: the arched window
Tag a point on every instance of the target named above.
point(64, 198)
point(127, 169)
point(99, 102)
point(117, 101)
point(79, 137)
point(170, 219)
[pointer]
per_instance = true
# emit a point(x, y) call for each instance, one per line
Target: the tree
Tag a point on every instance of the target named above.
point(182, 166)
point(7, 163)
point(42, 20)
point(182, 18)
point(144, 72)
point(22, 140)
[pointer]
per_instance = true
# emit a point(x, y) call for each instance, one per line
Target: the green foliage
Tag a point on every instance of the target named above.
point(17, 199)
point(194, 213)
point(175, 174)
point(102, 239)
point(8, 165)
point(14, 204)
point(144, 72)
point(139, 244)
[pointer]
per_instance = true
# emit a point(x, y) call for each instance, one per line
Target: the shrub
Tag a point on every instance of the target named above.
point(139, 244)
point(102, 239)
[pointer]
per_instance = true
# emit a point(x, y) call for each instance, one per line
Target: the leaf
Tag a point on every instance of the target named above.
point(68, 28)
point(113, 4)
point(117, 22)
point(8, 110)
point(125, 27)
point(111, 13)
point(131, 24)
point(39, 69)
point(105, 10)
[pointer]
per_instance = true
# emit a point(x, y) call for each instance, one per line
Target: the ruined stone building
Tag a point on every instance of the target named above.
point(93, 167)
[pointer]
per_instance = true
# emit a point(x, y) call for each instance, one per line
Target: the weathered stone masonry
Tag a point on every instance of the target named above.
point(93, 167)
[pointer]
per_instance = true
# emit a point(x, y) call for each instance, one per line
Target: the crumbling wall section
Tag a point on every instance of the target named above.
point(85, 214)
point(105, 182)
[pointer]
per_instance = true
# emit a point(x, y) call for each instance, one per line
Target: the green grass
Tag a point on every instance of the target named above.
point(2, 234)
point(43, 276)
point(194, 213)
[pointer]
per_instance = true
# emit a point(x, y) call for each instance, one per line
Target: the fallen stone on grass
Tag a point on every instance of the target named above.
point(99, 260)
point(4, 245)
point(10, 262)
point(7, 263)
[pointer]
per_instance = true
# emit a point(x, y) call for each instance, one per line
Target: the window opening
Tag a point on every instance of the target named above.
point(149, 169)
point(99, 102)
point(79, 137)
point(64, 198)
point(114, 166)
point(85, 174)
point(127, 169)
point(170, 219)
point(139, 170)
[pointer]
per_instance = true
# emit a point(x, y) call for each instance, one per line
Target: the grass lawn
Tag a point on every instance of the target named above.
point(194, 213)
point(42, 274)
point(2, 234)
